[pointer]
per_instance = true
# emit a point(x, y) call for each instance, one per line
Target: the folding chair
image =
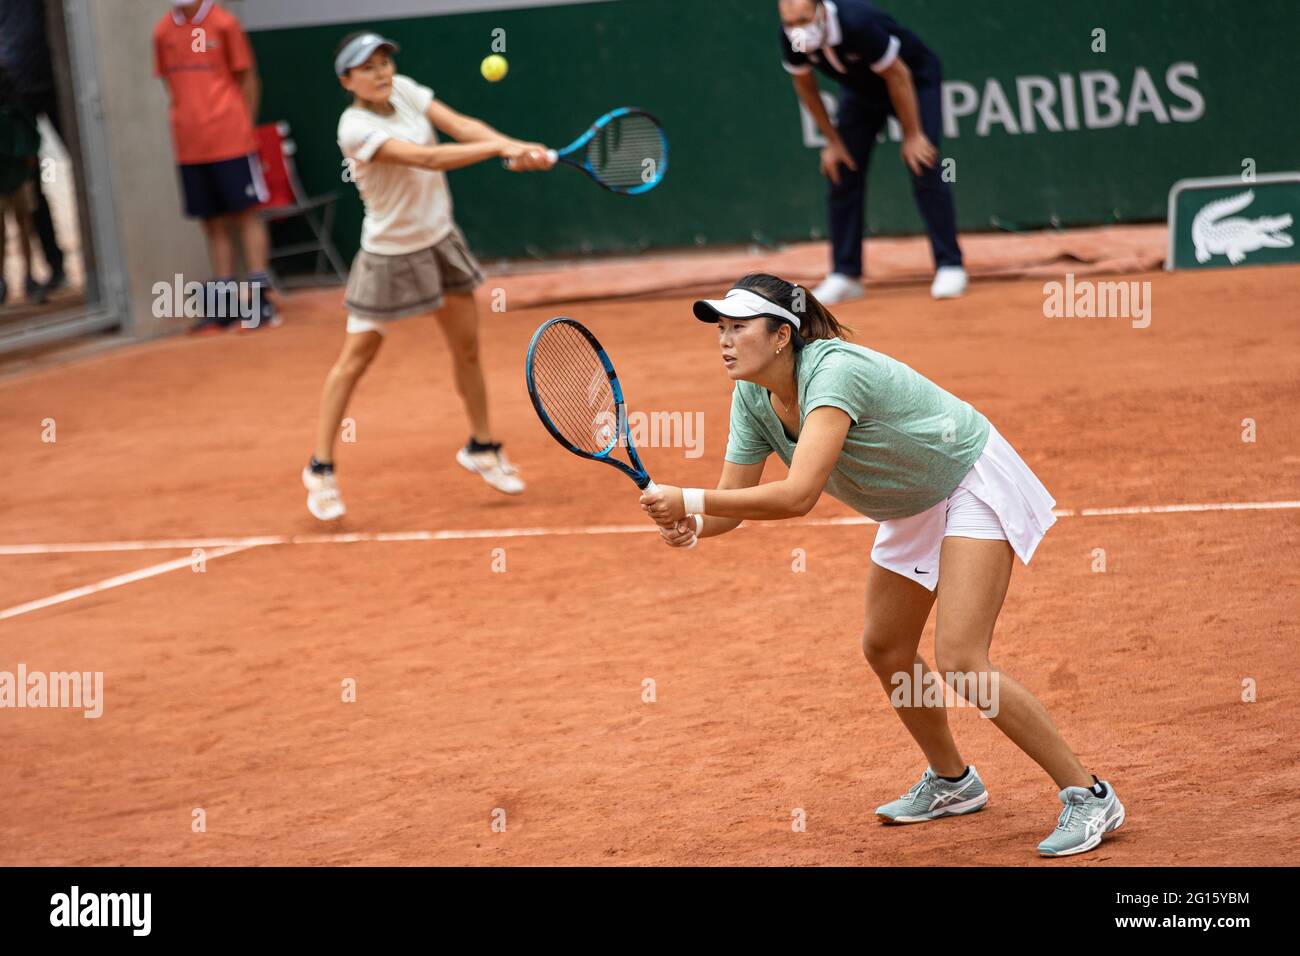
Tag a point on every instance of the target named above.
point(288, 200)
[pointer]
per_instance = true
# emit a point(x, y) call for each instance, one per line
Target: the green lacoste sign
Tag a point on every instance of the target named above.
point(1229, 221)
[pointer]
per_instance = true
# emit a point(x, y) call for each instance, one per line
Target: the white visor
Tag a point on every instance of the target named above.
point(359, 50)
point(742, 304)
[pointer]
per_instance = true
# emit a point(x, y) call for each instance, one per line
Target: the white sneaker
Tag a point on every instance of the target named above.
point(949, 282)
point(837, 287)
point(323, 498)
point(493, 467)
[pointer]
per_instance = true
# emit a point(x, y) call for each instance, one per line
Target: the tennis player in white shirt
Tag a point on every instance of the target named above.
point(413, 258)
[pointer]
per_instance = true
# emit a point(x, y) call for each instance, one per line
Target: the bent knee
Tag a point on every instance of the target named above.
point(961, 662)
point(465, 353)
point(885, 654)
point(354, 362)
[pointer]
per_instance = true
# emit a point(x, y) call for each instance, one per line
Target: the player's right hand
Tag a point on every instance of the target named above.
point(525, 157)
point(833, 156)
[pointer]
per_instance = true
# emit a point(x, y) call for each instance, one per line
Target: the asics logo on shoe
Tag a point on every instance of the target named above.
point(1098, 823)
point(943, 799)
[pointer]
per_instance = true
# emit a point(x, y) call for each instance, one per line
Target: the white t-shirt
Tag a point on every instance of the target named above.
point(407, 209)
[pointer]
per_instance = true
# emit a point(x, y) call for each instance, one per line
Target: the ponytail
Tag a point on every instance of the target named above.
point(815, 320)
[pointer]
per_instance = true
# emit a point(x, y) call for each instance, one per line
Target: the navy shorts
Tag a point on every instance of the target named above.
point(224, 188)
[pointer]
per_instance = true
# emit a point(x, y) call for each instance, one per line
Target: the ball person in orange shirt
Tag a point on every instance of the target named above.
point(202, 54)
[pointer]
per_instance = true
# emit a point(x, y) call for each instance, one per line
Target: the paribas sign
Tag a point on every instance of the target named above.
point(1063, 102)
point(1092, 99)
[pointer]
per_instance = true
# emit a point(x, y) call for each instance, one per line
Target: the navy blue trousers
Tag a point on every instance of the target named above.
point(859, 123)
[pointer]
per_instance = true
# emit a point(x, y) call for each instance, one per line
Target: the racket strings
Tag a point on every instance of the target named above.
point(576, 394)
point(628, 151)
point(574, 389)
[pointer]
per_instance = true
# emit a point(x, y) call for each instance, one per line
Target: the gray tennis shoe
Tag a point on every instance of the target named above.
point(933, 797)
point(1084, 820)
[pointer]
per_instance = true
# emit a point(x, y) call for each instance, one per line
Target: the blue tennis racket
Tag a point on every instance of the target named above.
point(575, 391)
point(626, 151)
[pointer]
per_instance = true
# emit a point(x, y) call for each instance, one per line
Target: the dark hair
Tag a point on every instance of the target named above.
point(816, 320)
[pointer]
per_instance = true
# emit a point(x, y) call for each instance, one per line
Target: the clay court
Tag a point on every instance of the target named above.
point(521, 690)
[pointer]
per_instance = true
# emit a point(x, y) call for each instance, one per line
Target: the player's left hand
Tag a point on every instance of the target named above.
point(918, 153)
point(679, 535)
point(665, 505)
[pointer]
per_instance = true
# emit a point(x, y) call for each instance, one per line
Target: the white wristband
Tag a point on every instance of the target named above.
point(693, 499)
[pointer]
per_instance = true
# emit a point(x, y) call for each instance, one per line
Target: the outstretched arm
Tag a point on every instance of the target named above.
point(442, 156)
point(819, 447)
point(467, 129)
point(733, 476)
point(462, 128)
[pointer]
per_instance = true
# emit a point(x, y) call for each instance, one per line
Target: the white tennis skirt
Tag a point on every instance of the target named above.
point(999, 499)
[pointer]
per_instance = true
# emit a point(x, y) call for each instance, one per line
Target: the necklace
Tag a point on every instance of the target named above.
point(782, 400)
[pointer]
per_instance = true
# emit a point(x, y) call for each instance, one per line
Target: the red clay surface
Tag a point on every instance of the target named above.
point(522, 690)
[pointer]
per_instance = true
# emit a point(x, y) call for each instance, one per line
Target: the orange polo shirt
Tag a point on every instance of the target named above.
point(199, 60)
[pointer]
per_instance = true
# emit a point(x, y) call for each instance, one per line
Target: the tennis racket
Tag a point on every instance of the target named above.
point(626, 151)
point(575, 391)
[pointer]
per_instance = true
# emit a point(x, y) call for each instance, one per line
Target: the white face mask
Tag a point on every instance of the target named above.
point(809, 37)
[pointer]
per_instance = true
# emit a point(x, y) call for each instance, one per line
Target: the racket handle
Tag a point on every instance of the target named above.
point(652, 487)
point(551, 154)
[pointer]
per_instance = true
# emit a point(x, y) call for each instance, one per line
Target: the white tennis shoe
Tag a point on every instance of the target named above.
point(493, 467)
point(949, 282)
point(837, 287)
point(323, 498)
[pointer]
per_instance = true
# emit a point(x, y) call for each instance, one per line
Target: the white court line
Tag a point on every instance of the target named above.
point(1175, 509)
point(107, 583)
point(369, 536)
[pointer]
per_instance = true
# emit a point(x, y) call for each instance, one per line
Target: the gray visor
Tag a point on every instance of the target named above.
point(359, 50)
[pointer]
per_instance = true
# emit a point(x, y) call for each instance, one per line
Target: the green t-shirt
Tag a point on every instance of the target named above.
point(910, 443)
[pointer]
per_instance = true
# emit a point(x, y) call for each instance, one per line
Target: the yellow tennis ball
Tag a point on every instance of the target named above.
point(494, 67)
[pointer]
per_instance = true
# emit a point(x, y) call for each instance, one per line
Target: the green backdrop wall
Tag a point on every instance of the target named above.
point(1184, 88)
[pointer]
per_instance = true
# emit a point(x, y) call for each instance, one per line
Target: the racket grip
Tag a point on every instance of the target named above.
point(551, 154)
point(651, 486)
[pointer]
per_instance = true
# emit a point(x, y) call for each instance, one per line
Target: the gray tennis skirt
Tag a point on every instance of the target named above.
point(392, 287)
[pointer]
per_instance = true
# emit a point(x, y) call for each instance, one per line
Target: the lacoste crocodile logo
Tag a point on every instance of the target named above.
point(1215, 234)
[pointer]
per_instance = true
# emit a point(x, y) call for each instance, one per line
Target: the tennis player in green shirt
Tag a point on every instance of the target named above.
point(948, 492)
